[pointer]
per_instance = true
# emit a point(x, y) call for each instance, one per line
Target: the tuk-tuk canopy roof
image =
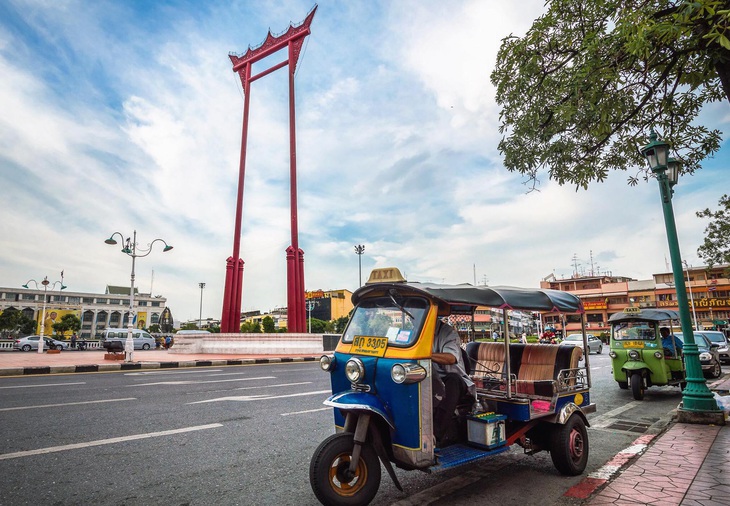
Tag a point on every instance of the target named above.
point(465, 297)
point(655, 315)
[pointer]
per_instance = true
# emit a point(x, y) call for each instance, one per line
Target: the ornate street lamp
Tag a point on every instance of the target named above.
point(698, 404)
point(45, 284)
point(359, 250)
point(132, 249)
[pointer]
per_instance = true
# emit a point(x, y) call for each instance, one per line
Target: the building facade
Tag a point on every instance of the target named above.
point(708, 293)
point(96, 311)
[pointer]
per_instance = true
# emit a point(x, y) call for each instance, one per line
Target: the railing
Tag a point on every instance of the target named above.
point(7, 344)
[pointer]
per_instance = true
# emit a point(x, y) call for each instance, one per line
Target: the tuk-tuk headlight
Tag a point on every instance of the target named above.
point(612, 354)
point(633, 355)
point(705, 356)
point(327, 362)
point(658, 354)
point(355, 370)
point(407, 373)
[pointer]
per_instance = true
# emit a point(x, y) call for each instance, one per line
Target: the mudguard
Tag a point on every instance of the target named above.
point(634, 365)
point(360, 401)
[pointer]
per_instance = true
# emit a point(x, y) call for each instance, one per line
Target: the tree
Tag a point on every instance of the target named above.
point(189, 326)
point(155, 328)
point(14, 322)
point(716, 248)
point(69, 322)
point(251, 327)
point(318, 326)
point(582, 89)
point(341, 323)
point(269, 325)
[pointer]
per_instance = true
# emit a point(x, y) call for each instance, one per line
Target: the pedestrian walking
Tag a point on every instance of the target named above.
point(73, 340)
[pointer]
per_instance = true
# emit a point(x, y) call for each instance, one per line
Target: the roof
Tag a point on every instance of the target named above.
point(655, 315)
point(503, 297)
point(119, 290)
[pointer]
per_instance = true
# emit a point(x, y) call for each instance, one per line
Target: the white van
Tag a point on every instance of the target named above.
point(142, 339)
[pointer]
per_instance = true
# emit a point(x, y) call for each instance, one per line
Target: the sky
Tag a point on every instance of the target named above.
point(118, 116)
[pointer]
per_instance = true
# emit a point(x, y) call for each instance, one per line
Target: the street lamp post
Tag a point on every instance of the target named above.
point(359, 250)
point(132, 249)
point(691, 297)
point(45, 284)
point(698, 404)
point(310, 306)
point(200, 316)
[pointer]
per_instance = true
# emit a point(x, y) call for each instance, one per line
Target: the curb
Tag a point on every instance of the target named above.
point(136, 366)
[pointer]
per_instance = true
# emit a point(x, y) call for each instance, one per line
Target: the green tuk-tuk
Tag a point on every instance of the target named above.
point(637, 356)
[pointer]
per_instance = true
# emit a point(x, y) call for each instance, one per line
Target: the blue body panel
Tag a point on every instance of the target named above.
point(384, 394)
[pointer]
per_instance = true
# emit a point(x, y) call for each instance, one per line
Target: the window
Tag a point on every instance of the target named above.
point(115, 301)
point(74, 300)
point(155, 303)
point(381, 317)
point(87, 300)
point(142, 302)
point(28, 296)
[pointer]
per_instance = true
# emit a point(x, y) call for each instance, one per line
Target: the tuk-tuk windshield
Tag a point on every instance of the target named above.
point(398, 318)
point(634, 331)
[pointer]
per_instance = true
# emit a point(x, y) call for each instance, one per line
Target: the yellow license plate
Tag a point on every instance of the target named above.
point(371, 346)
point(634, 344)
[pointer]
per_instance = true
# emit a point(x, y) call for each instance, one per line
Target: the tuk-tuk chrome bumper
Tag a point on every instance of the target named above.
point(354, 401)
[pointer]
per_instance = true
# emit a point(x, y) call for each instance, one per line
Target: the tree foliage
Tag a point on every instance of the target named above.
point(251, 327)
point(716, 248)
point(14, 323)
point(269, 325)
point(581, 90)
point(69, 322)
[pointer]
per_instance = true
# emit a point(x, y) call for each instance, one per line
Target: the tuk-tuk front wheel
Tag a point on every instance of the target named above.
point(330, 477)
point(637, 386)
point(569, 446)
point(623, 385)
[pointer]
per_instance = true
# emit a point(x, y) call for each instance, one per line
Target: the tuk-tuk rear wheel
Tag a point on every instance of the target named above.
point(569, 446)
point(329, 474)
point(637, 386)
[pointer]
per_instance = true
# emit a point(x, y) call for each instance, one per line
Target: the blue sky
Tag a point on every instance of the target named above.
point(126, 115)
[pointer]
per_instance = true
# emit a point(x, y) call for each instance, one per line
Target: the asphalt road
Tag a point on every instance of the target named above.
point(245, 435)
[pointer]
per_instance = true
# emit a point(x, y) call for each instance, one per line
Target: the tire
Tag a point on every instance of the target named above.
point(145, 346)
point(623, 385)
point(26, 347)
point(600, 349)
point(328, 468)
point(637, 386)
point(716, 370)
point(569, 446)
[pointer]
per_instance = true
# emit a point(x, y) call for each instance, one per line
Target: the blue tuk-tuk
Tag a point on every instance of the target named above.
point(533, 395)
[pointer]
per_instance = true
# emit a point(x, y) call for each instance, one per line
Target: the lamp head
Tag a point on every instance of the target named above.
point(110, 241)
point(25, 286)
point(45, 281)
point(673, 170)
point(656, 152)
point(167, 248)
point(127, 251)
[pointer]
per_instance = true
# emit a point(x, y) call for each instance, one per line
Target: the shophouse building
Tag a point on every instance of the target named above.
point(708, 293)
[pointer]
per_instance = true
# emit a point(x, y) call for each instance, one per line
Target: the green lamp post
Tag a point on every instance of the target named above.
point(698, 403)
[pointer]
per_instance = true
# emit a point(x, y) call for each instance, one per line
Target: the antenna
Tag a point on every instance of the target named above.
point(152, 281)
point(591, 262)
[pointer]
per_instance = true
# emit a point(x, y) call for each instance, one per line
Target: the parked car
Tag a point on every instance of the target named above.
point(594, 344)
point(142, 340)
point(718, 338)
point(709, 357)
point(29, 343)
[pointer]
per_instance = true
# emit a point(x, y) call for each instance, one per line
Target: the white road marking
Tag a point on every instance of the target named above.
point(273, 386)
point(198, 382)
point(246, 398)
point(606, 419)
point(170, 371)
point(306, 411)
point(67, 404)
point(100, 442)
point(46, 385)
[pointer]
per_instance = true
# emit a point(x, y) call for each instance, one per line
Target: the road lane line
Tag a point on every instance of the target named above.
point(272, 386)
point(198, 382)
point(171, 371)
point(607, 418)
point(246, 398)
point(306, 411)
point(101, 442)
point(46, 385)
point(67, 404)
